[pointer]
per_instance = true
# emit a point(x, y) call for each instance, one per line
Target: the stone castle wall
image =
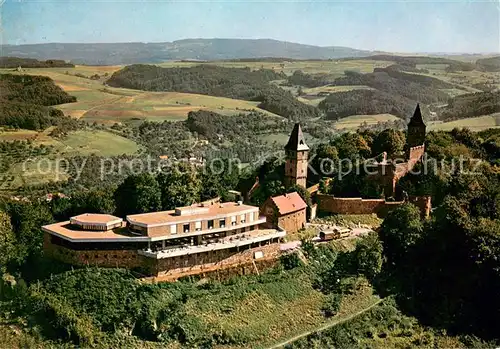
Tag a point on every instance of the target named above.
point(332, 204)
point(129, 259)
point(416, 153)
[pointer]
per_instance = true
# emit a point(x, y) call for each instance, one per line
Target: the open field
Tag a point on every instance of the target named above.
point(160, 106)
point(282, 138)
point(474, 124)
point(330, 67)
point(84, 142)
point(355, 121)
point(97, 142)
point(23, 135)
point(313, 96)
point(18, 135)
point(464, 80)
point(311, 100)
point(333, 89)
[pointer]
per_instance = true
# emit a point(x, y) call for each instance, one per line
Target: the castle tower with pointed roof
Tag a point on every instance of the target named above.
point(416, 130)
point(297, 152)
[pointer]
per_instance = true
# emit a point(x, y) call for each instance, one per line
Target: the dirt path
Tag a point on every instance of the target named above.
point(325, 326)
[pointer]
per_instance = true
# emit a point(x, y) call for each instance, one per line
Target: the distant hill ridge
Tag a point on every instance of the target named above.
point(199, 49)
point(15, 62)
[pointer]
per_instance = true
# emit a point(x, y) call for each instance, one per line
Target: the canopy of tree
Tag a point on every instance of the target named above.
point(24, 101)
point(239, 83)
point(446, 270)
point(310, 80)
point(215, 127)
point(15, 62)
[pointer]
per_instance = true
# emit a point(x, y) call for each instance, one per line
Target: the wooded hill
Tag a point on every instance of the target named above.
point(491, 64)
point(201, 49)
point(15, 62)
point(393, 91)
point(365, 102)
point(238, 83)
point(25, 101)
point(418, 88)
point(470, 105)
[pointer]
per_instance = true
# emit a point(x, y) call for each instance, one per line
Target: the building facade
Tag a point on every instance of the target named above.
point(167, 245)
point(287, 212)
point(297, 152)
point(387, 172)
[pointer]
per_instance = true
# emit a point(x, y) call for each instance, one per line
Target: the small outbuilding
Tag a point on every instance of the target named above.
point(285, 211)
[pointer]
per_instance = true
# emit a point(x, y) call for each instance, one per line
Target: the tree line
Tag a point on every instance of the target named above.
point(15, 62)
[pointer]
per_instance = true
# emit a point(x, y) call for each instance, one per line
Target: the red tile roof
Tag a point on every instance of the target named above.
point(289, 203)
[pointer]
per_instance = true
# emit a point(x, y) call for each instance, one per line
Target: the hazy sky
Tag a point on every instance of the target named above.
point(416, 26)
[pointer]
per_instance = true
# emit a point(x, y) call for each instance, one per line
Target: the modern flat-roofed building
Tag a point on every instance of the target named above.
point(185, 241)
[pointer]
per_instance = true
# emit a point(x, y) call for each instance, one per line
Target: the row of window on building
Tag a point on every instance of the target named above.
point(210, 224)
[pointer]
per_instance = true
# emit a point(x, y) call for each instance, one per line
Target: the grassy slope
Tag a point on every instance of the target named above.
point(85, 142)
point(475, 124)
point(159, 106)
point(273, 311)
point(97, 142)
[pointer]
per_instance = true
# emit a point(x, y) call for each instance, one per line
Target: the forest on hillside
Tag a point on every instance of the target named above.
point(422, 89)
point(238, 83)
point(25, 102)
point(239, 136)
point(16, 62)
point(394, 91)
point(471, 105)
point(365, 102)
